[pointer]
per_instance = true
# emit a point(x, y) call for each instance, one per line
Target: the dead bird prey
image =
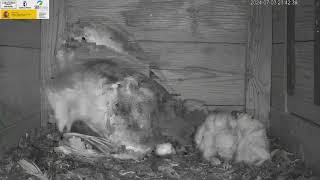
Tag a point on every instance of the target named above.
point(239, 138)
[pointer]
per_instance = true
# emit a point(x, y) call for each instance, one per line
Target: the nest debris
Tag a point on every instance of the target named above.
point(36, 158)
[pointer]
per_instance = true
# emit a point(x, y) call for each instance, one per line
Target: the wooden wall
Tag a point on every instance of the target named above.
point(19, 79)
point(51, 31)
point(293, 128)
point(199, 45)
point(258, 63)
point(302, 102)
point(278, 69)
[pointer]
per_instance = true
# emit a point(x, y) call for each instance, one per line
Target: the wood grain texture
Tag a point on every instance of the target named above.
point(198, 83)
point(214, 91)
point(278, 60)
point(316, 90)
point(227, 58)
point(198, 46)
point(278, 94)
point(10, 136)
point(213, 73)
point(299, 136)
point(278, 24)
point(8, 116)
point(290, 50)
point(20, 84)
point(304, 71)
point(171, 20)
point(305, 20)
point(306, 110)
point(258, 75)
point(296, 133)
point(20, 33)
point(51, 31)
point(226, 108)
point(302, 102)
point(278, 79)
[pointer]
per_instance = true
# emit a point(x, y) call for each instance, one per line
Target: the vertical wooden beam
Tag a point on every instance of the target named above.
point(317, 54)
point(258, 62)
point(291, 65)
point(51, 31)
point(278, 64)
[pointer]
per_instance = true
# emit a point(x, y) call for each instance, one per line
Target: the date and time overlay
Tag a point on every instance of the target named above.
point(39, 9)
point(273, 2)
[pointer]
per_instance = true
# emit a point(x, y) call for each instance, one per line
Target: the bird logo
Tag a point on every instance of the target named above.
point(40, 2)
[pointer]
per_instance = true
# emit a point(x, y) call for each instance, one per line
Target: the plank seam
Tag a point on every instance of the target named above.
point(22, 47)
point(192, 42)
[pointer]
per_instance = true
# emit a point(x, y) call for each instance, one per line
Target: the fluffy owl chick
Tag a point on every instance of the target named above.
point(239, 138)
point(217, 137)
point(253, 147)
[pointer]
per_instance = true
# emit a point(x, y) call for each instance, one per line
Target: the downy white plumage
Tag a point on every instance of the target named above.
point(239, 138)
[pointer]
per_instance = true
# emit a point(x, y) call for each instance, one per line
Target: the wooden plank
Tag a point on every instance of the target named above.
point(214, 70)
point(197, 105)
point(278, 61)
point(210, 72)
point(304, 71)
point(258, 75)
point(51, 32)
point(291, 50)
point(19, 79)
point(302, 102)
point(10, 136)
point(278, 78)
point(170, 20)
point(19, 94)
point(317, 55)
point(303, 109)
point(304, 22)
point(224, 58)
point(20, 33)
point(213, 91)
point(8, 116)
point(278, 24)
point(278, 94)
point(197, 83)
point(225, 108)
point(299, 136)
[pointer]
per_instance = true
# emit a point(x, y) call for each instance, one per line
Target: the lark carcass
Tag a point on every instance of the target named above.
point(235, 137)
